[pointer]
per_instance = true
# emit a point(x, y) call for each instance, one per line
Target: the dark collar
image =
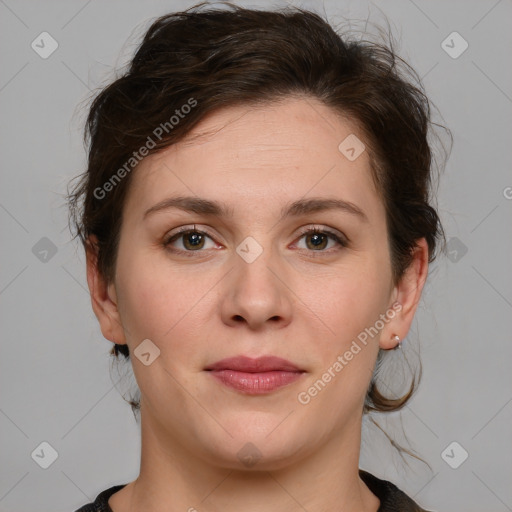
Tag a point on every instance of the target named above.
point(392, 499)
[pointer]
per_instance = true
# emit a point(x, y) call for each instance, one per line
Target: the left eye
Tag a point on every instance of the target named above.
point(317, 240)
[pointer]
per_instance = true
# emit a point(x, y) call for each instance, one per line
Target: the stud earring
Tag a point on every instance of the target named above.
point(399, 343)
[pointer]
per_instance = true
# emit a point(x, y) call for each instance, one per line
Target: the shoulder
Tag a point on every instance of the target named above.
point(100, 504)
point(392, 499)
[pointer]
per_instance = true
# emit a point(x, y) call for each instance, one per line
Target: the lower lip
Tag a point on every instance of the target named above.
point(255, 383)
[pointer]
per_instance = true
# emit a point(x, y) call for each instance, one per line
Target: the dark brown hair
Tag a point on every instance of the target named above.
point(196, 62)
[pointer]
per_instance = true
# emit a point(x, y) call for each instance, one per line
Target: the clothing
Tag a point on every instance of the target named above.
point(392, 499)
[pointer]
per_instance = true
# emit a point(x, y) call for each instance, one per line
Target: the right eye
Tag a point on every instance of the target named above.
point(191, 239)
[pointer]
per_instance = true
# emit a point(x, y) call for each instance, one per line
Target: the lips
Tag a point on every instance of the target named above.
point(255, 376)
point(258, 365)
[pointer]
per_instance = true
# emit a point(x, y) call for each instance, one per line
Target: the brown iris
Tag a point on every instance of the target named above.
point(318, 240)
point(196, 240)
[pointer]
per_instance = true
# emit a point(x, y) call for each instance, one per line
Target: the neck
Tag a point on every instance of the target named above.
point(177, 480)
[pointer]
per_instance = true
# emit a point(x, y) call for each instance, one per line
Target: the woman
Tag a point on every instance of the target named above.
point(258, 230)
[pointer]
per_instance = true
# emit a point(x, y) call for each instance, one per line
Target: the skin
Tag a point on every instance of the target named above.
point(294, 301)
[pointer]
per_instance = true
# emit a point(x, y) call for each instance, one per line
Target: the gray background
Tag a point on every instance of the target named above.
point(57, 385)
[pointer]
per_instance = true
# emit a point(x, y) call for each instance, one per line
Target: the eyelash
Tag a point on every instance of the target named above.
point(185, 230)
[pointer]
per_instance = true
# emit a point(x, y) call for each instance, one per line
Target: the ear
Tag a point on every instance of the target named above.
point(407, 294)
point(103, 297)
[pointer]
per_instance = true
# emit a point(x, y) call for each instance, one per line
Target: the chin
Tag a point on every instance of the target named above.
point(259, 449)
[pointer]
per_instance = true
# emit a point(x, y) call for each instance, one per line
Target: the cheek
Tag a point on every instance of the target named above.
point(346, 303)
point(348, 299)
point(163, 304)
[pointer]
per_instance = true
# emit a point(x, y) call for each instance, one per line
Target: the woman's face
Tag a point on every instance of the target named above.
point(249, 281)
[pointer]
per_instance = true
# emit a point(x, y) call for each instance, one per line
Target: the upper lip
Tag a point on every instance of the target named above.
point(249, 365)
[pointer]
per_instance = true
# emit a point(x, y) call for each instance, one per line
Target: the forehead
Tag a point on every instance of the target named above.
point(254, 155)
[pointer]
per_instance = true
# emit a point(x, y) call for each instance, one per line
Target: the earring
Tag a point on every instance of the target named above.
point(399, 343)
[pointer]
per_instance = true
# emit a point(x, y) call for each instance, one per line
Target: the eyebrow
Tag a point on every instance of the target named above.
point(203, 206)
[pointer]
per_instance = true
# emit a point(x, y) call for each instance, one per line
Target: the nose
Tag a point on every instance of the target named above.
point(256, 294)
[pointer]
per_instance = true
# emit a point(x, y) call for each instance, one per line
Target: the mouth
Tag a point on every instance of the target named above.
point(255, 376)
